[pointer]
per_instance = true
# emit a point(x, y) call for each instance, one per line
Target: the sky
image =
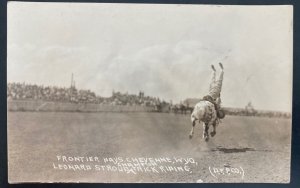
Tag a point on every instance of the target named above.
point(164, 50)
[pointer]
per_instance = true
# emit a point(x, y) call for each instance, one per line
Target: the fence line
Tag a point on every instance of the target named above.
point(33, 105)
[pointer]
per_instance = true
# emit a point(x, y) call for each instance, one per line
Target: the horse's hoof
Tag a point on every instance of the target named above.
point(212, 134)
point(190, 136)
point(206, 139)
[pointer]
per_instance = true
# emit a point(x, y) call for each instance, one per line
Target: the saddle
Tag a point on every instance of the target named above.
point(220, 112)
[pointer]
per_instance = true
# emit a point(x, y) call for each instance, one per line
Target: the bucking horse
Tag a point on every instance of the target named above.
point(204, 111)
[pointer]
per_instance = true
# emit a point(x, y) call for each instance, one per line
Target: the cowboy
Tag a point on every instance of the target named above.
point(215, 88)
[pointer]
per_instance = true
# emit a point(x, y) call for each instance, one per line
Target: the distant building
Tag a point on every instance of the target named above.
point(141, 95)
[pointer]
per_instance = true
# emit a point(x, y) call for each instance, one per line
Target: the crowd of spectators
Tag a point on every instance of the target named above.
point(22, 91)
point(119, 98)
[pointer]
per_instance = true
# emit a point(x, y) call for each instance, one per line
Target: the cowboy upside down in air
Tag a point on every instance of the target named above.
point(215, 87)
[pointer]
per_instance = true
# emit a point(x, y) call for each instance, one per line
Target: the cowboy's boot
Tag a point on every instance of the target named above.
point(213, 68)
point(221, 65)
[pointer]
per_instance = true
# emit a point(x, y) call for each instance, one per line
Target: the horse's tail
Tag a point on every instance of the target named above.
point(193, 118)
point(198, 112)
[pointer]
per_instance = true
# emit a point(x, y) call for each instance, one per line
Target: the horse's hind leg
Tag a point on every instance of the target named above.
point(193, 125)
point(213, 133)
point(205, 131)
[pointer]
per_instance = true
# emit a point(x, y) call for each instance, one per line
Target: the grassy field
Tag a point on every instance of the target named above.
point(261, 146)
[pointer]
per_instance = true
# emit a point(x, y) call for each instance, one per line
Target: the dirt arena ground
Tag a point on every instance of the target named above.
point(258, 146)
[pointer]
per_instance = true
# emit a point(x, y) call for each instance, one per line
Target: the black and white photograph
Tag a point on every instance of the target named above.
point(149, 93)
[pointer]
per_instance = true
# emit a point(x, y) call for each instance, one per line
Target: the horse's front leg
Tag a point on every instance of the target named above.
point(193, 125)
point(205, 131)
